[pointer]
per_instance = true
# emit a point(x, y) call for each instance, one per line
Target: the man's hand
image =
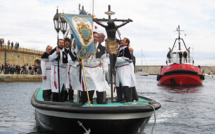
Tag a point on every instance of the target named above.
point(44, 77)
point(57, 50)
point(129, 20)
point(80, 63)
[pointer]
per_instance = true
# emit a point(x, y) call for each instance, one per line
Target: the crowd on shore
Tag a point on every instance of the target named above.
point(17, 69)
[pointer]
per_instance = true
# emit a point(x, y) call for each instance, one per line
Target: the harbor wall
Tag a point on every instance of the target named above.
point(19, 56)
point(150, 69)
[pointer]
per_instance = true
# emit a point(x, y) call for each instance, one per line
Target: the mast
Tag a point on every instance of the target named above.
point(179, 39)
point(141, 58)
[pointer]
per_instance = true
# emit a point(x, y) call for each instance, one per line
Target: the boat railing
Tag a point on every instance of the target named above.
point(175, 60)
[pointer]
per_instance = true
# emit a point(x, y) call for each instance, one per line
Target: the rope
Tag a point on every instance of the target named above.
point(154, 118)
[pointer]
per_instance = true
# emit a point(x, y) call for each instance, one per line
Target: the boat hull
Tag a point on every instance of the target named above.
point(180, 74)
point(62, 117)
point(180, 80)
point(92, 126)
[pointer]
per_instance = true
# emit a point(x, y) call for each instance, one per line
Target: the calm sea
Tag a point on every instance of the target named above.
point(185, 110)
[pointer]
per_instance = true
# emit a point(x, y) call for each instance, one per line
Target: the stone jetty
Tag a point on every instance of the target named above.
point(20, 78)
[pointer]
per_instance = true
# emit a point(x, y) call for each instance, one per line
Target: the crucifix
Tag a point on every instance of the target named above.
point(111, 28)
point(111, 44)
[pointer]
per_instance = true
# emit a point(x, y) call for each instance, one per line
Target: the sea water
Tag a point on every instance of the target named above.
point(184, 109)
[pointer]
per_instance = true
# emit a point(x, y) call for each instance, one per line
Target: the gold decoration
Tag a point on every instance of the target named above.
point(111, 46)
point(83, 51)
point(82, 26)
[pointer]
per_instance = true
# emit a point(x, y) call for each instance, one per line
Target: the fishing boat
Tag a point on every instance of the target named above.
point(140, 72)
point(180, 69)
point(110, 118)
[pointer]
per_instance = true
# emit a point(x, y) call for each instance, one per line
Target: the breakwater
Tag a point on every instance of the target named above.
point(150, 69)
point(20, 78)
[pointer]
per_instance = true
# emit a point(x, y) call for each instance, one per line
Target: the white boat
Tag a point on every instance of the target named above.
point(140, 72)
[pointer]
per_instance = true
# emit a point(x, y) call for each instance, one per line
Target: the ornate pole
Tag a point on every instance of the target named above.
point(88, 98)
point(57, 25)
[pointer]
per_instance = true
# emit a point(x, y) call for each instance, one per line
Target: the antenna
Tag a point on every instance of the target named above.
point(179, 38)
point(179, 30)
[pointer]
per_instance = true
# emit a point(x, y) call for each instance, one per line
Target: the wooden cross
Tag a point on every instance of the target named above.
point(109, 12)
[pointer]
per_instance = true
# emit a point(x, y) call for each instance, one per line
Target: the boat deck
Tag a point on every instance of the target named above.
point(141, 102)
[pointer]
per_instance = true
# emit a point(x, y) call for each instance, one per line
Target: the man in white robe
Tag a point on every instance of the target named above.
point(58, 55)
point(46, 74)
point(125, 78)
point(134, 91)
point(73, 70)
point(95, 68)
point(67, 47)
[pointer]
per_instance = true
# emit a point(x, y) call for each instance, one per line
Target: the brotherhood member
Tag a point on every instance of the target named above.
point(134, 91)
point(180, 57)
point(73, 70)
point(95, 68)
point(67, 47)
point(125, 78)
point(185, 56)
point(118, 43)
point(101, 38)
point(58, 54)
point(46, 74)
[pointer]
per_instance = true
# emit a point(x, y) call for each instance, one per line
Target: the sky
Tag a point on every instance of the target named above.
point(152, 32)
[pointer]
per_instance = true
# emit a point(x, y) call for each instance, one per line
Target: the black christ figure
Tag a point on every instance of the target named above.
point(111, 44)
point(111, 30)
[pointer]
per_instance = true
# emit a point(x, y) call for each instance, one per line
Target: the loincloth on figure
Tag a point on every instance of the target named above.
point(111, 46)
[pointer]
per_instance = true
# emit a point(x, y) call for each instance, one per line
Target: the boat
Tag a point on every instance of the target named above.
point(140, 72)
point(209, 76)
point(111, 118)
point(180, 69)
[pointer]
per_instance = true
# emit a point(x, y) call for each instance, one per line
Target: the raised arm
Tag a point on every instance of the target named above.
point(99, 23)
point(129, 20)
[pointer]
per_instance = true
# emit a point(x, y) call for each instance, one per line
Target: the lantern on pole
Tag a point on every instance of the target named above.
point(57, 23)
point(57, 26)
point(63, 25)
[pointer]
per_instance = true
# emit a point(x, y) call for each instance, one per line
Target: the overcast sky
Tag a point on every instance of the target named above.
point(153, 30)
